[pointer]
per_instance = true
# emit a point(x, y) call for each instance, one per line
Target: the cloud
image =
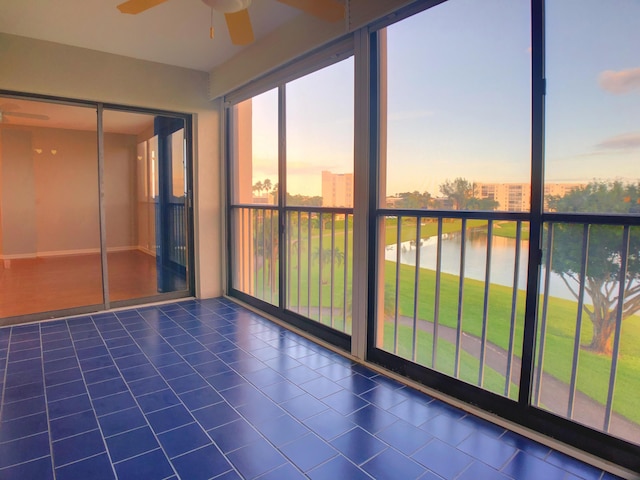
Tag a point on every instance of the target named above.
point(626, 141)
point(623, 81)
point(410, 115)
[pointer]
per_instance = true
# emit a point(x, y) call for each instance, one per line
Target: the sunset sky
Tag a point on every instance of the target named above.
point(459, 99)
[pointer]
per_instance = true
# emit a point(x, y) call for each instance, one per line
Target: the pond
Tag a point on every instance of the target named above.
point(502, 260)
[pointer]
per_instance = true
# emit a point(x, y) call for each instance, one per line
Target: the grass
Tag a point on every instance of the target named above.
point(593, 369)
point(508, 230)
point(445, 355)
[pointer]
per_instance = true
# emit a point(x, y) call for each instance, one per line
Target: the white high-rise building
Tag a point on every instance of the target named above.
point(337, 189)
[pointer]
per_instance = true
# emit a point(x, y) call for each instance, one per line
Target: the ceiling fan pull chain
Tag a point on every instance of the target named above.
point(211, 27)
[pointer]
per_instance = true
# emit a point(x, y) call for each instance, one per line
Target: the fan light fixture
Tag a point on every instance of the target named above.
point(228, 6)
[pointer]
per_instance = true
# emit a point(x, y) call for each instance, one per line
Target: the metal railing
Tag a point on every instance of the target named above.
point(317, 246)
point(256, 252)
point(430, 271)
point(178, 232)
point(319, 256)
point(598, 265)
point(453, 286)
point(175, 228)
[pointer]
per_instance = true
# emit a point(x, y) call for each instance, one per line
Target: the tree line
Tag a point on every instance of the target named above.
point(605, 276)
point(298, 200)
point(460, 194)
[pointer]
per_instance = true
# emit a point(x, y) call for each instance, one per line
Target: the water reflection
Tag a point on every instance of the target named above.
point(502, 259)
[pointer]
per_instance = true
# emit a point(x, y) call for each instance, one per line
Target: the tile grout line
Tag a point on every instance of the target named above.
point(155, 435)
point(95, 416)
point(93, 321)
point(225, 400)
point(203, 378)
point(4, 376)
point(46, 404)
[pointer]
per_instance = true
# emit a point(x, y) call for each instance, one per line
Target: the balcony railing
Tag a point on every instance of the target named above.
point(175, 228)
point(451, 298)
point(256, 252)
point(588, 361)
point(319, 258)
point(178, 233)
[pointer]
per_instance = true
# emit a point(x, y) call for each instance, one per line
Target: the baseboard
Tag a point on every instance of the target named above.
point(18, 256)
point(145, 250)
point(68, 253)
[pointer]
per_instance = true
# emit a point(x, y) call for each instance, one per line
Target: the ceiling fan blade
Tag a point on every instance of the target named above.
point(329, 10)
point(240, 29)
point(137, 6)
point(35, 116)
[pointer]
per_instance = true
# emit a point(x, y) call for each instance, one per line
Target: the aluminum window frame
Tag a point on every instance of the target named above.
point(107, 303)
point(316, 60)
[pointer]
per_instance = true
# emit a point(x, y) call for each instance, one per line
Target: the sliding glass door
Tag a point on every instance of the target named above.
point(291, 197)
point(587, 362)
point(49, 208)
point(506, 232)
point(93, 208)
point(145, 204)
point(454, 191)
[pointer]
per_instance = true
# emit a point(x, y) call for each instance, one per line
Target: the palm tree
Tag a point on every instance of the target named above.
point(327, 256)
point(258, 187)
point(266, 185)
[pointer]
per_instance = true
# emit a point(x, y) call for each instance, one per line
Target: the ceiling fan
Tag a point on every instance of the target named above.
point(7, 110)
point(237, 15)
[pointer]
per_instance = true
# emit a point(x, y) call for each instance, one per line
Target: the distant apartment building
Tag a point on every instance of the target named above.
point(337, 189)
point(511, 197)
point(516, 197)
point(561, 189)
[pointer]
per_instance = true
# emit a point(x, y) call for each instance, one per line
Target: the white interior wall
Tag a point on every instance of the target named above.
point(66, 192)
point(51, 199)
point(17, 191)
point(120, 182)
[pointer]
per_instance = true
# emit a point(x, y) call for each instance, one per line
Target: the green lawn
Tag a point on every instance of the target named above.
point(445, 355)
point(593, 370)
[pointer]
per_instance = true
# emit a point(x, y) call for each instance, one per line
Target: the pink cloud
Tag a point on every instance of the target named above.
point(626, 141)
point(619, 82)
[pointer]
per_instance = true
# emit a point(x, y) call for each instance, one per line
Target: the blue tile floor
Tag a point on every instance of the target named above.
point(207, 389)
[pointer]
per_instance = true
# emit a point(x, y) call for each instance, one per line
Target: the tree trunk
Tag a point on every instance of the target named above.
point(602, 333)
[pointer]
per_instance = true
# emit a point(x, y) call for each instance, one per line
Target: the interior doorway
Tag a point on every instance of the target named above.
point(93, 208)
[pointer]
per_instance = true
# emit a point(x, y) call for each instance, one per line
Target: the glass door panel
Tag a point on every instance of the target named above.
point(145, 204)
point(319, 199)
point(49, 212)
point(587, 358)
point(455, 122)
point(256, 247)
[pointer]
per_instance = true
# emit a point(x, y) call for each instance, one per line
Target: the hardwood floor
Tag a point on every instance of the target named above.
point(55, 283)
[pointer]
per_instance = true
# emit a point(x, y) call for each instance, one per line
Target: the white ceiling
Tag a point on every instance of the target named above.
point(19, 112)
point(175, 32)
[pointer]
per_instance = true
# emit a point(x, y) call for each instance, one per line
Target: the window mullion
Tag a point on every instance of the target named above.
point(282, 195)
point(537, 194)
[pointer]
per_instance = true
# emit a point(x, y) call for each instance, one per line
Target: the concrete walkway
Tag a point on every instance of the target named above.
point(554, 395)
